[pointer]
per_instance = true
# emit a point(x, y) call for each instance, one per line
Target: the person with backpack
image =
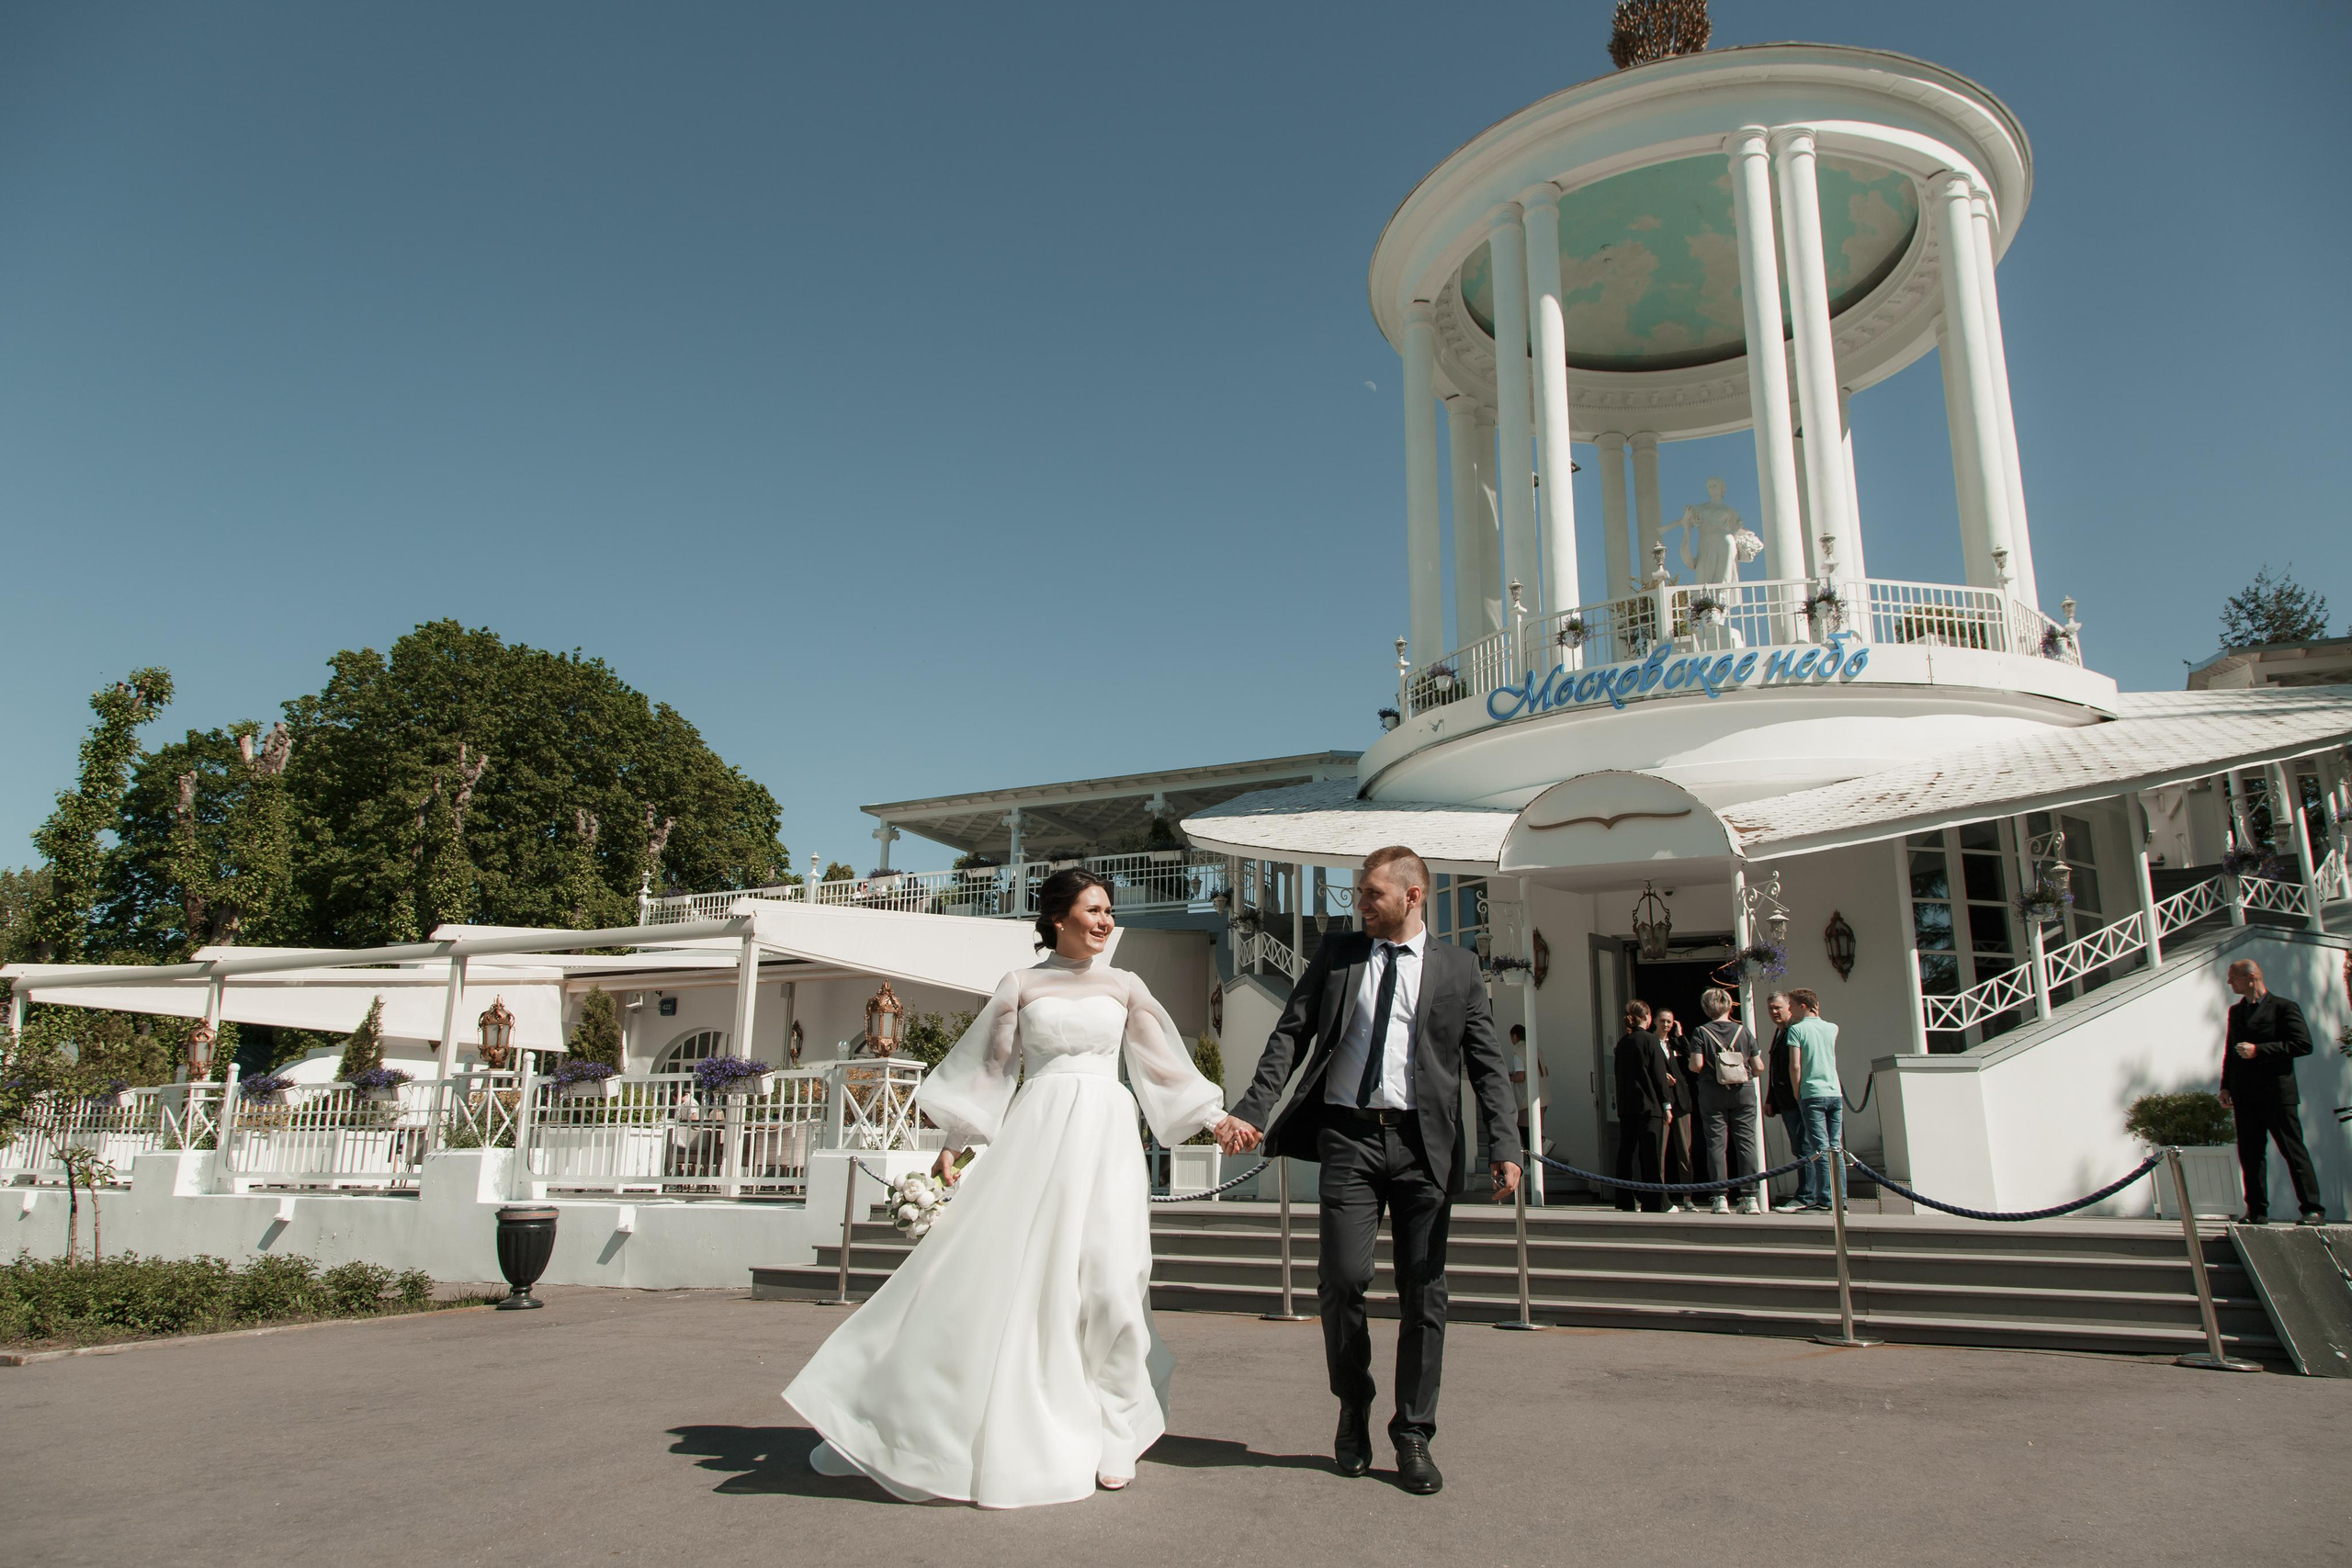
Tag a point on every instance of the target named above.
point(1722, 1061)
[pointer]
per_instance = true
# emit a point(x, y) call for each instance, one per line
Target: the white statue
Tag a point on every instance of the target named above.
point(1722, 540)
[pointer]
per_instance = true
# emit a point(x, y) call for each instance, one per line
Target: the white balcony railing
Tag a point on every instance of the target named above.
point(1159, 881)
point(115, 1128)
point(1699, 617)
point(333, 1136)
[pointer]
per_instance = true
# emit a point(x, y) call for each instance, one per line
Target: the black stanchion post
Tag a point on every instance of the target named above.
point(849, 1216)
point(2213, 1358)
point(1282, 1186)
point(1526, 1319)
point(1845, 1335)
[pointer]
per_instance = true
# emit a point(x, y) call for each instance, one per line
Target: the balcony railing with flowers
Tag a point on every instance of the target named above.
point(1155, 881)
point(1722, 616)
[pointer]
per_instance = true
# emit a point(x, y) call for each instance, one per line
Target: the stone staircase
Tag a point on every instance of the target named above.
point(2100, 1285)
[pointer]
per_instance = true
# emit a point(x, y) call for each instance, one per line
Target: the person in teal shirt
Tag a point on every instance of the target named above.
point(1821, 1098)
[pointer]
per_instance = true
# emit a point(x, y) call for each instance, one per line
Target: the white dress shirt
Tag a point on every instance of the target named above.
point(1345, 1077)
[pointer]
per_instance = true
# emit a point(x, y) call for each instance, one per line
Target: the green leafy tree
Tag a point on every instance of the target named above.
point(597, 1036)
point(929, 1036)
point(2270, 610)
point(363, 1050)
point(567, 737)
point(65, 912)
point(839, 871)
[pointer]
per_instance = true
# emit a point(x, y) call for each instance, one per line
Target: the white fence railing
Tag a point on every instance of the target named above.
point(2014, 989)
point(115, 1128)
point(1152, 881)
point(333, 1136)
point(1263, 947)
point(1700, 616)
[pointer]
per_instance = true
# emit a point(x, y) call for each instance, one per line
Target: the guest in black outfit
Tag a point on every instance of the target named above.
point(1645, 1108)
point(1674, 1043)
point(2267, 1033)
point(1781, 1097)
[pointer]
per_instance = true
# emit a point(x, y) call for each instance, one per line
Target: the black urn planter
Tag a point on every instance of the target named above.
point(526, 1243)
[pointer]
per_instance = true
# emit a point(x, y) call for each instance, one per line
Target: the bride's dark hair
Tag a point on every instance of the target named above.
point(1055, 896)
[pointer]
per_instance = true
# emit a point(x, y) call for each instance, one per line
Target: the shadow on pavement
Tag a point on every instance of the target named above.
point(1222, 1453)
point(769, 1460)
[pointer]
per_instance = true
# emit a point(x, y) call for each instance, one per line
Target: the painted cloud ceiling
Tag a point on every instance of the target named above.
point(1650, 276)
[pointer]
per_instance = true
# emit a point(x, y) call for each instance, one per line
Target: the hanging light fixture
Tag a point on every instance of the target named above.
point(885, 1018)
point(1653, 924)
point(497, 1033)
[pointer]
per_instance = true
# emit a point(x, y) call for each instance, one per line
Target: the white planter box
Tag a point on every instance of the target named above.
point(753, 1085)
point(2214, 1190)
point(1195, 1168)
point(590, 1089)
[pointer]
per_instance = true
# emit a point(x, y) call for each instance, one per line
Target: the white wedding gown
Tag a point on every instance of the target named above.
point(1011, 1358)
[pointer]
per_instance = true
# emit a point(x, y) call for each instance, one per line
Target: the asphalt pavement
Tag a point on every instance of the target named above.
point(630, 1427)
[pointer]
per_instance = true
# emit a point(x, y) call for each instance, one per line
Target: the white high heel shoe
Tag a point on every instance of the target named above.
point(1113, 1482)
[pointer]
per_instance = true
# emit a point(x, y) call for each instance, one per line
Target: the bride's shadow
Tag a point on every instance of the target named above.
point(774, 1460)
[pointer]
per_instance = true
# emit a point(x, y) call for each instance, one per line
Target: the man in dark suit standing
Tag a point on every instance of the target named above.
point(1644, 1106)
point(1387, 1021)
point(2267, 1033)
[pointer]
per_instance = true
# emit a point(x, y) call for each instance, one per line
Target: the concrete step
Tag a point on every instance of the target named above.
point(2100, 1285)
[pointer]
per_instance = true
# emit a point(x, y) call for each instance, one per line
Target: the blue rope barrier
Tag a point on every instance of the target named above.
point(2109, 1190)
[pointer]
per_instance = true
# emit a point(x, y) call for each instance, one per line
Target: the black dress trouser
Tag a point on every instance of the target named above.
point(1641, 1156)
point(2258, 1126)
point(1368, 1167)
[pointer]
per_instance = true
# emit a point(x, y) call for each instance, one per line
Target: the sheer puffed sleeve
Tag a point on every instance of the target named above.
point(967, 1094)
point(1175, 1098)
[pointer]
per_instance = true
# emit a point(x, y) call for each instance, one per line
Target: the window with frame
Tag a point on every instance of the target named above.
point(1962, 920)
point(685, 1052)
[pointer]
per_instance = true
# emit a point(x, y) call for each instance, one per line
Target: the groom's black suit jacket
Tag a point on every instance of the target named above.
point(1452, 1029)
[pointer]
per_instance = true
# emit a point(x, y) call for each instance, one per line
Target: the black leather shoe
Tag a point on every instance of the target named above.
point(2314, 1218)
point(2253, 1219)
point(1416, 1472)
point(1352, 1448)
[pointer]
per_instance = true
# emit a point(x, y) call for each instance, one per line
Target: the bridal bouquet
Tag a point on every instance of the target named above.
point(915, 1202)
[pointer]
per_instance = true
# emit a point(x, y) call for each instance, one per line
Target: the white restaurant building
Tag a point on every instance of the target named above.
point(2015, 886)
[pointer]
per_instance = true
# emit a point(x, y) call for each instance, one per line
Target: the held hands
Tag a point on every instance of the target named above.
point(1506, 1177)
point(2246, 1049)
point(944, 1170)
point(1236, 1136)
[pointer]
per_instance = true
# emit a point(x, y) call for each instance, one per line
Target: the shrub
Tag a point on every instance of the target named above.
point(2196, 1119)
point(597, 1036)
point(364, 1046)
point(929, 1036)
point(127, 1296)
point(718, 1075)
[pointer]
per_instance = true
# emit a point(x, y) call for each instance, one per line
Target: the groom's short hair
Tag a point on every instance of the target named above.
point(1413, 868)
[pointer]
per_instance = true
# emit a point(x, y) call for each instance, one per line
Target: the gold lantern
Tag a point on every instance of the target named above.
point(199, 1050)
point(497, 1045)
point(884, 1020)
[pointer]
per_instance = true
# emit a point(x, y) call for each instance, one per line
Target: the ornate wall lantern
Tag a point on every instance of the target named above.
point(885, 1018)
point(1653, 924)
point(199, 1050)
point(799, 1037)
point(1837, 937)
point(497, 1047)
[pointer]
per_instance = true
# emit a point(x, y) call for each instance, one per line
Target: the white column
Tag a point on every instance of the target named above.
point(1648, 526)
point(1967, 485)
point(1976, 423)
point(1556, 497)
point(1816, 361)
point(886, 836)
point(1785, 554)
point(1490, 539)
point(2020, 543)
point(1514, 414)
point(1849, 555)
point(2287, 816)
point(1613, 545)
point(449, 1006)
point(1423, 582)
point(2136, 822)
point(747, 995)
point(1473, 520)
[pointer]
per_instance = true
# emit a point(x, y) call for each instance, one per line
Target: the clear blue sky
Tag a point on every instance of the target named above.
point(925, 397)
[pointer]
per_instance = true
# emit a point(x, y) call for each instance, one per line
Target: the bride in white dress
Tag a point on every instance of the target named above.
point(1012, 1359)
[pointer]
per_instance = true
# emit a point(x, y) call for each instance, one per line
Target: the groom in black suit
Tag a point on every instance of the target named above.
point(1385, 1019)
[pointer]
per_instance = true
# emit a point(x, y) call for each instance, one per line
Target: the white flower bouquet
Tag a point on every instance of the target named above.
point(916, 1202)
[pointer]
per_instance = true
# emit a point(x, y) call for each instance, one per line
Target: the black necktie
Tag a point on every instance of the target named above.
point(1374, 1059)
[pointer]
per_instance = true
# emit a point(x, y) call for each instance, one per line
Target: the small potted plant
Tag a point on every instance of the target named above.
point(1571, 633)
point(1763, 960)
point(267, 1089)
point(1390, 718)
point(1705, 608)
point(732, 1074)
point(577, 1079)
point(113, 1095)
point(2043, 904)
point(2254, 862)
point(378, 1085)
point(1826, 609)
point(2202, 1129)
